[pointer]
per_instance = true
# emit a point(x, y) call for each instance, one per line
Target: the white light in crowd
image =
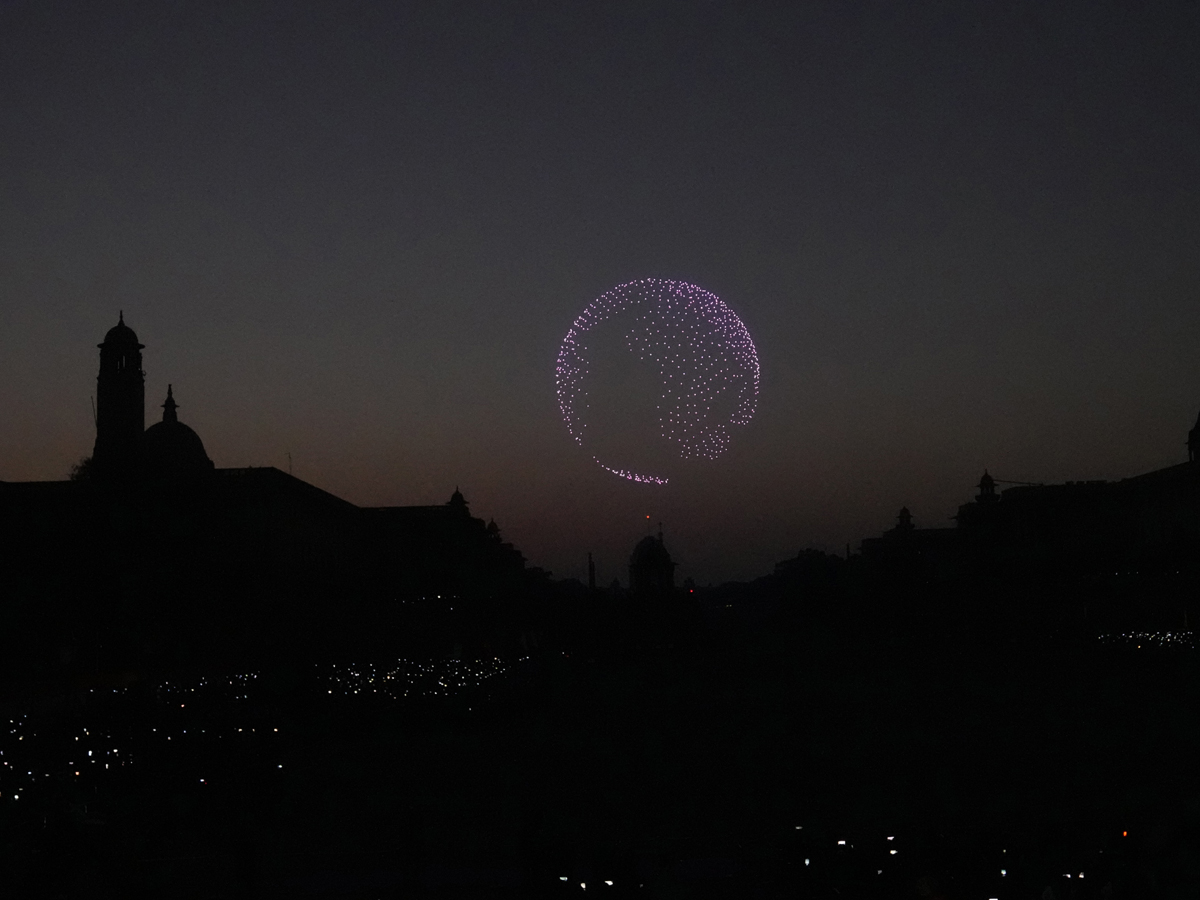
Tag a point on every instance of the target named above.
point(583, 884)
point(562, 877)
point(841, 843)
point(609, 883)
point(806, 862)
point(1004, 872)
point(891, 838)
point(892, 852)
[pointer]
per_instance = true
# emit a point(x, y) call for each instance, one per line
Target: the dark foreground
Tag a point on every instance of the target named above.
point(732, 760)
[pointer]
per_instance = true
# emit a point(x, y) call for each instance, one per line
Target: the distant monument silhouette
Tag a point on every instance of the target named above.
point(651, 569)
point(1147, 523)
point(153, 546)
point(987, 489)
point(120, 402)
point(171, 450)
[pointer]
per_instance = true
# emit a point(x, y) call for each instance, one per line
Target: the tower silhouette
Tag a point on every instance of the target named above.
point(120, 402)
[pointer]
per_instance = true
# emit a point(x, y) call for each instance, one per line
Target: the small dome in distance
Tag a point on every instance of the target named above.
point(651, 569)
point(650, 551)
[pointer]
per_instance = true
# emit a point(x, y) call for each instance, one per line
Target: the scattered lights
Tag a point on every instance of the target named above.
point(1173, 640)
point(704, 356)
point(437, 678)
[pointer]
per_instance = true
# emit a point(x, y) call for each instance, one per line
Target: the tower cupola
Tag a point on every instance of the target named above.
point(987, 488)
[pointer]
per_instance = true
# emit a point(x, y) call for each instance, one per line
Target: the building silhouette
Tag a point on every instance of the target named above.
point(1145, 524)
point(152, 549)
point(651, 569)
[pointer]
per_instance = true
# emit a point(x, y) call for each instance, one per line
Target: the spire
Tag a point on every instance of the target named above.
point(121, 318)
point(169, 407)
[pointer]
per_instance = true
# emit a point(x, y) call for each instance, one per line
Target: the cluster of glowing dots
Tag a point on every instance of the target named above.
point(28, 760)
point(701, 350)
point(1140, 639)
point(408, 678)
point(240, 684)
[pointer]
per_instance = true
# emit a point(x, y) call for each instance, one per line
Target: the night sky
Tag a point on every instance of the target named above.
point(962, 235)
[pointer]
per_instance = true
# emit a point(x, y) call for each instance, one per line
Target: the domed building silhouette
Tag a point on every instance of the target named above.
point(651, 569)
point(171, 450)
point(150, 544)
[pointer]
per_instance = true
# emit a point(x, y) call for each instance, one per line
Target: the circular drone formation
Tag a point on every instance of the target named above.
point(705, 361)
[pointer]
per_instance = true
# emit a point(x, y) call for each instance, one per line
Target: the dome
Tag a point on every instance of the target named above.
point(122, 334)
point(651, 569)
point(170, 449)
point(650, 552)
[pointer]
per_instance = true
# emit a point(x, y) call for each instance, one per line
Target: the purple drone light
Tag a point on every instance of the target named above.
point(706, 364)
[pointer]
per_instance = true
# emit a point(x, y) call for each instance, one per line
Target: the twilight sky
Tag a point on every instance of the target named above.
point(962, 235)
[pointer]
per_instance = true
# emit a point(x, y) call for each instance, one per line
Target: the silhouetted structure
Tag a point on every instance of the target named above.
point(120, 402)
point(910, 553)
point(1145, 524)
point(651, 570)
point(151, 548)
point(171, 451)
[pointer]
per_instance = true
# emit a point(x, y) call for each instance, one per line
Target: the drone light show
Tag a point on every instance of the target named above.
point(669, 349)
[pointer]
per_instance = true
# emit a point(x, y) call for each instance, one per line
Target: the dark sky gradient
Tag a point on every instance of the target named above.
point(961, 234)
